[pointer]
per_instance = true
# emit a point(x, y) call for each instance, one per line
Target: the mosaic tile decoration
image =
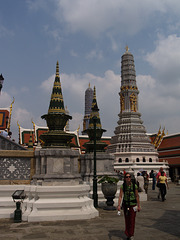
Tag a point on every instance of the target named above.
point(15, 168)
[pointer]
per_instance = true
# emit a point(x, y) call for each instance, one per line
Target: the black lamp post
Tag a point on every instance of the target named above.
point(1, 82)
point(95, 195)
point(18, 197)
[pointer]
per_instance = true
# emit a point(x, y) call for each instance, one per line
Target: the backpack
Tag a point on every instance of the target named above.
point(133, 182)
point(127, 203)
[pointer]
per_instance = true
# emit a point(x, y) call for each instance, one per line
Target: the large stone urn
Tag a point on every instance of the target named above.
point(109, 190)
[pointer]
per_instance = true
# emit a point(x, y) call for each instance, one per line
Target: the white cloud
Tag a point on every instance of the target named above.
point(47, 85)
point(95, 54)
point(166, 58)
point(22, 116)
point(77, 83)
point(145, 82)
point(77, 120)
point(36, 5)
point(73, 53)
point(6, 100)
point(157, 104)
point(97, 16)
point(4, 32)
point(54, 33)
point(114, 44)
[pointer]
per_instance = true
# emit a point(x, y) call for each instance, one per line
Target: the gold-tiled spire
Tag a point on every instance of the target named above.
point(95, 112)
point(56, 103)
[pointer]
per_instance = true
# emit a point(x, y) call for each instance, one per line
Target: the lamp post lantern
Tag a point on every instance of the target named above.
point(1, 82)
point(95, 195)
point(18, 197)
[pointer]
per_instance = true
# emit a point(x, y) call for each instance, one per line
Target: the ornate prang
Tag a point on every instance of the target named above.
point(88, 106)
point(130, 134)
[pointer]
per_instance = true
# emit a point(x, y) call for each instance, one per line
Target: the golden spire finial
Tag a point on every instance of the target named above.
point(94, 92)
point(127, 49)
point(57, 69)
point(18, 124)
point(10, 113)
point(19, 132)
point(32, 122)
point(89, 85)
point(34, 128)
point(78, 129)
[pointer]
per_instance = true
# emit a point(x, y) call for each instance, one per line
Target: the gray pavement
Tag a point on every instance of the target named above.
point(157, 220)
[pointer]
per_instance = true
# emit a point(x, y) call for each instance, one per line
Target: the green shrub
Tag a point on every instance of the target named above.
point(107, 179)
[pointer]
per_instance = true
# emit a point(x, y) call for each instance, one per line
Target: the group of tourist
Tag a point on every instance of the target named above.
point(5, 133)
point(129, 197)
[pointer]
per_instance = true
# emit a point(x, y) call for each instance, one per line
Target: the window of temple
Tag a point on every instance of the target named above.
point(127, 160)
point(137, 159)
point(144, 160)
point(150, 159)
point(120, 160)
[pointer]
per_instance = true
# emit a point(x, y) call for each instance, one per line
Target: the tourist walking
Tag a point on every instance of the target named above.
point(130, 204)
point(157, 179)
point(146, 181)
point(162, 185)
point(140, 180)
point(4, 133)
point(153, 176)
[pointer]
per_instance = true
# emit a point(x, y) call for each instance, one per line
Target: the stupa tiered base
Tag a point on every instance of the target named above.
point(56, 139)
point(49, 203)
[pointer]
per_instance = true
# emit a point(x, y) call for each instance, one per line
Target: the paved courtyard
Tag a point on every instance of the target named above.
point(157, 220)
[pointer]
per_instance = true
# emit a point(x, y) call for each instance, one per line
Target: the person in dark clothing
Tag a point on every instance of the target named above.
point(153, 176)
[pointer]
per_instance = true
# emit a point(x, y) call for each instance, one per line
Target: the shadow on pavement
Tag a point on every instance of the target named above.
point(116, 233)
point(168, 222)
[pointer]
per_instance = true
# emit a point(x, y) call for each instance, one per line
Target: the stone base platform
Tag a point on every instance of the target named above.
point(49, 203)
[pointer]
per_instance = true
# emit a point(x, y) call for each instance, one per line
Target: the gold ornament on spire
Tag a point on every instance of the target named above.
point(19, 132)
point(10, 113)
point(34, 128)
point(127, 49)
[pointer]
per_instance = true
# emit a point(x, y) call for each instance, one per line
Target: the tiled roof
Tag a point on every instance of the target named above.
point(171, 141)
point(172, 161)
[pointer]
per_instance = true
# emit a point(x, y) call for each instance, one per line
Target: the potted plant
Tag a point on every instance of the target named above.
point(109, 189)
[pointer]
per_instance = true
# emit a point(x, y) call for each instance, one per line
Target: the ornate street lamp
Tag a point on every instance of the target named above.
point(95, 195)
point(18, 197)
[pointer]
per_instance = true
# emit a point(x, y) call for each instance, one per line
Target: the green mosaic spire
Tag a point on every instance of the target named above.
point(94, 113)
point(56, 104)
point(56, 119)
point(100, 146)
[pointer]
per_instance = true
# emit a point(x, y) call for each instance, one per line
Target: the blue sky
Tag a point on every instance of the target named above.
point(88, 38)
